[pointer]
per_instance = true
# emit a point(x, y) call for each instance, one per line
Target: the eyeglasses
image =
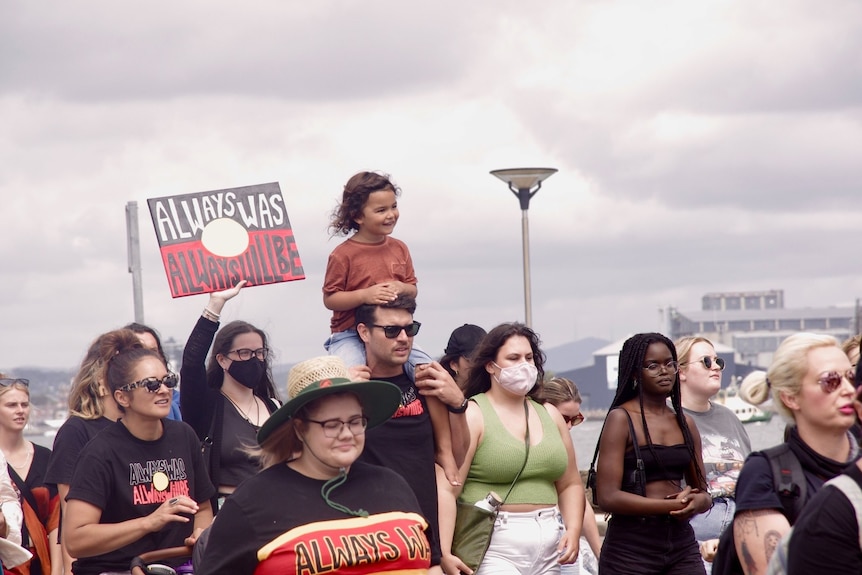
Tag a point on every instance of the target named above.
point(246, 354)
point(393, 331)
point(708, 361)
point(7, 381)
point(831, 381)
point(656, 368)
point(574, 420)
point(332, 427)
point(153, 384)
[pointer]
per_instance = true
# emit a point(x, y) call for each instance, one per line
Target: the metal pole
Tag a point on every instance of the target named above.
point(134, 249)
point(525, 235)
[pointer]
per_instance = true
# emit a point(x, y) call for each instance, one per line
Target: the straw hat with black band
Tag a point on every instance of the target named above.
point(321, 376)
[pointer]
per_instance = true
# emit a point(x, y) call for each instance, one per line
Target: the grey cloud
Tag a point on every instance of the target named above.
point(322, 51)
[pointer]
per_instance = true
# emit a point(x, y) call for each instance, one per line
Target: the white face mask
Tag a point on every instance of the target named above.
point(518, 379)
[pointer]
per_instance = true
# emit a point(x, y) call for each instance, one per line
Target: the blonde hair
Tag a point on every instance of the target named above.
point(684, 345)
point(851, 344)
point(85, 398)
point(559, 390)
point(789, 365)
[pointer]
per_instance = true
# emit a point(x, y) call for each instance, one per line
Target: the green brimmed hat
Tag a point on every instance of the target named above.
point(325, 375)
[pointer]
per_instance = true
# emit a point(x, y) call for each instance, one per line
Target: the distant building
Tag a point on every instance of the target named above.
point(755, 323)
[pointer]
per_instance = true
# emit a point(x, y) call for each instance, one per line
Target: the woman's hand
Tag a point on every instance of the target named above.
point(219, 298)
point(568, 548)
point(451, 565)
point(171, 511)
point(690, 502)
point(708, 549)
point(193, 538)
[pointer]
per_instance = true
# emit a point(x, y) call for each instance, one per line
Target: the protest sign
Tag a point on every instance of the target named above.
point(209, 241)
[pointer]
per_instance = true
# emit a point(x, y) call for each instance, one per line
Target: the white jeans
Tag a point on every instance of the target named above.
point(524, 544)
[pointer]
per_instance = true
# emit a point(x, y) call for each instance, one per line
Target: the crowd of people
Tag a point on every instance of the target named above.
point(363, 464)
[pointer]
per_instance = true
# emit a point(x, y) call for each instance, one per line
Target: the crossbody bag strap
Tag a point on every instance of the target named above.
point(526, 449)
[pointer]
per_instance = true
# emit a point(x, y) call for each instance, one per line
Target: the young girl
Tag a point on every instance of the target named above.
point(140, 483)
point(649, 531)
point(371, 267)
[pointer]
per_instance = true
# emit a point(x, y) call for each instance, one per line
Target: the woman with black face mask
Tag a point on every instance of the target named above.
point(228, 400)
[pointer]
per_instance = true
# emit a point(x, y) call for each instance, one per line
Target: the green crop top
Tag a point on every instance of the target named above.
point(500, 455)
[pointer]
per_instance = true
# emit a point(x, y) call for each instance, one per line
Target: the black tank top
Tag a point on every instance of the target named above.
point(669, 463)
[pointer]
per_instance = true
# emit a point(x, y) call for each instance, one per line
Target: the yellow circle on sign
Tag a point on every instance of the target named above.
point(225, 237)
point(160, 480)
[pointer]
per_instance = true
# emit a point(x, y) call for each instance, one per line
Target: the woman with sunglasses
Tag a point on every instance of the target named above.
point(650, 473)
point(27, 463)
point(141, 483)
point(563, 394)
point(724, 441)
point(518, 443)
point(91, 409)
point(228, 399)
point(315, 508)
point(811, 385)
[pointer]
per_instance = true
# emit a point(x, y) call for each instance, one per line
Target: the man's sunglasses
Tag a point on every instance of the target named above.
point(831, 380)
point(708, 361)
point(153, 384)
point(393, 331)
point(7, 381)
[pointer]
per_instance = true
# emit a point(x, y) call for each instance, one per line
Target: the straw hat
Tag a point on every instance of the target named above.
point(325, 375)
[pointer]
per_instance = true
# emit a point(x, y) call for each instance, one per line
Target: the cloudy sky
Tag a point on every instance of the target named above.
point(701, 146)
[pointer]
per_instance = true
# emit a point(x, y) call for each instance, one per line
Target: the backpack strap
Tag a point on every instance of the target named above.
point(851, 490)
point(788, 479)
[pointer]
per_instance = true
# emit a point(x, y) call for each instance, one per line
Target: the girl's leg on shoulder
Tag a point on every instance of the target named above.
point(346, 345)
point(417, 356)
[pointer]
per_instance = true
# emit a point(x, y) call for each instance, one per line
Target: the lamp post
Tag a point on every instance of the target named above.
point(524, 183)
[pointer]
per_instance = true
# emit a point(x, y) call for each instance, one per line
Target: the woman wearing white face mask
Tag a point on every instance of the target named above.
point(540, 521)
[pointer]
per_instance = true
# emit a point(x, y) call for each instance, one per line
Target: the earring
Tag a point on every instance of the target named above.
point(635, 384)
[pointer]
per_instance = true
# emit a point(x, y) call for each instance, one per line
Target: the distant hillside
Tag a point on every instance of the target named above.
point(573, 355)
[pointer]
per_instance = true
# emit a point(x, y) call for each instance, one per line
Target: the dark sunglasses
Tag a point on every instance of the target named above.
point(392, 331)
point(708, 361)
point(831, 381)
point(153, 384)
point(574, 420)
point(7, 381)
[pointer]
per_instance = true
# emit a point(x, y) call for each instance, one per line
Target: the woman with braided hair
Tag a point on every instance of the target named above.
point(650, 471)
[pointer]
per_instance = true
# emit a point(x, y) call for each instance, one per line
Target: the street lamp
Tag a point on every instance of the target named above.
point(524, 183)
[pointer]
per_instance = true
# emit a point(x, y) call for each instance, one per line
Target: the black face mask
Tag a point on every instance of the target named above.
point(247, 372)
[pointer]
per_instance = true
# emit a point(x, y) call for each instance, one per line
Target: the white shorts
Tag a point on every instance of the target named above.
point(524, 543)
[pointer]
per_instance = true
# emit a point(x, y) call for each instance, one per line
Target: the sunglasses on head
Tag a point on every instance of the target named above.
point(393, 331)
point(832, 380)
point(153, 384)
point(7, 381)
point(708, 361)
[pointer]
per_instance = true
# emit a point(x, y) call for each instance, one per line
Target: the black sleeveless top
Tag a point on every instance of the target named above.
point(669, 463)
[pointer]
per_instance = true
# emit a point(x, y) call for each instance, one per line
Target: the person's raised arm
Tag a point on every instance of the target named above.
point(195, 409)
point(433, 380)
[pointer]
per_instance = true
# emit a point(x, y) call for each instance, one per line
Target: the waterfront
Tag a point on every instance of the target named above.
point(585, 436)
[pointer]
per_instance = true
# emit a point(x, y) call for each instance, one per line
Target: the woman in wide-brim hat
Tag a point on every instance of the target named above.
point(314, 507)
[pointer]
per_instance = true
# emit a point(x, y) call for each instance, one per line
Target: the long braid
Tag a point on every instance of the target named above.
point(628, 386)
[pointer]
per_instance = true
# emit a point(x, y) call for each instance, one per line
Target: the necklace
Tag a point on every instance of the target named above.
point(246, 415)
point(26, 459)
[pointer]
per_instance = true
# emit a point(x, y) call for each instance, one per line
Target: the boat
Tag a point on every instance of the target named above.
point(746, 412)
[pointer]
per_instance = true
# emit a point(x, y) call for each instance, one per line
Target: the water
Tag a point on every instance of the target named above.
point(585, 436)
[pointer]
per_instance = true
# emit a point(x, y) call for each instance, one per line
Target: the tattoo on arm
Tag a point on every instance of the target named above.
point(770, 543)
